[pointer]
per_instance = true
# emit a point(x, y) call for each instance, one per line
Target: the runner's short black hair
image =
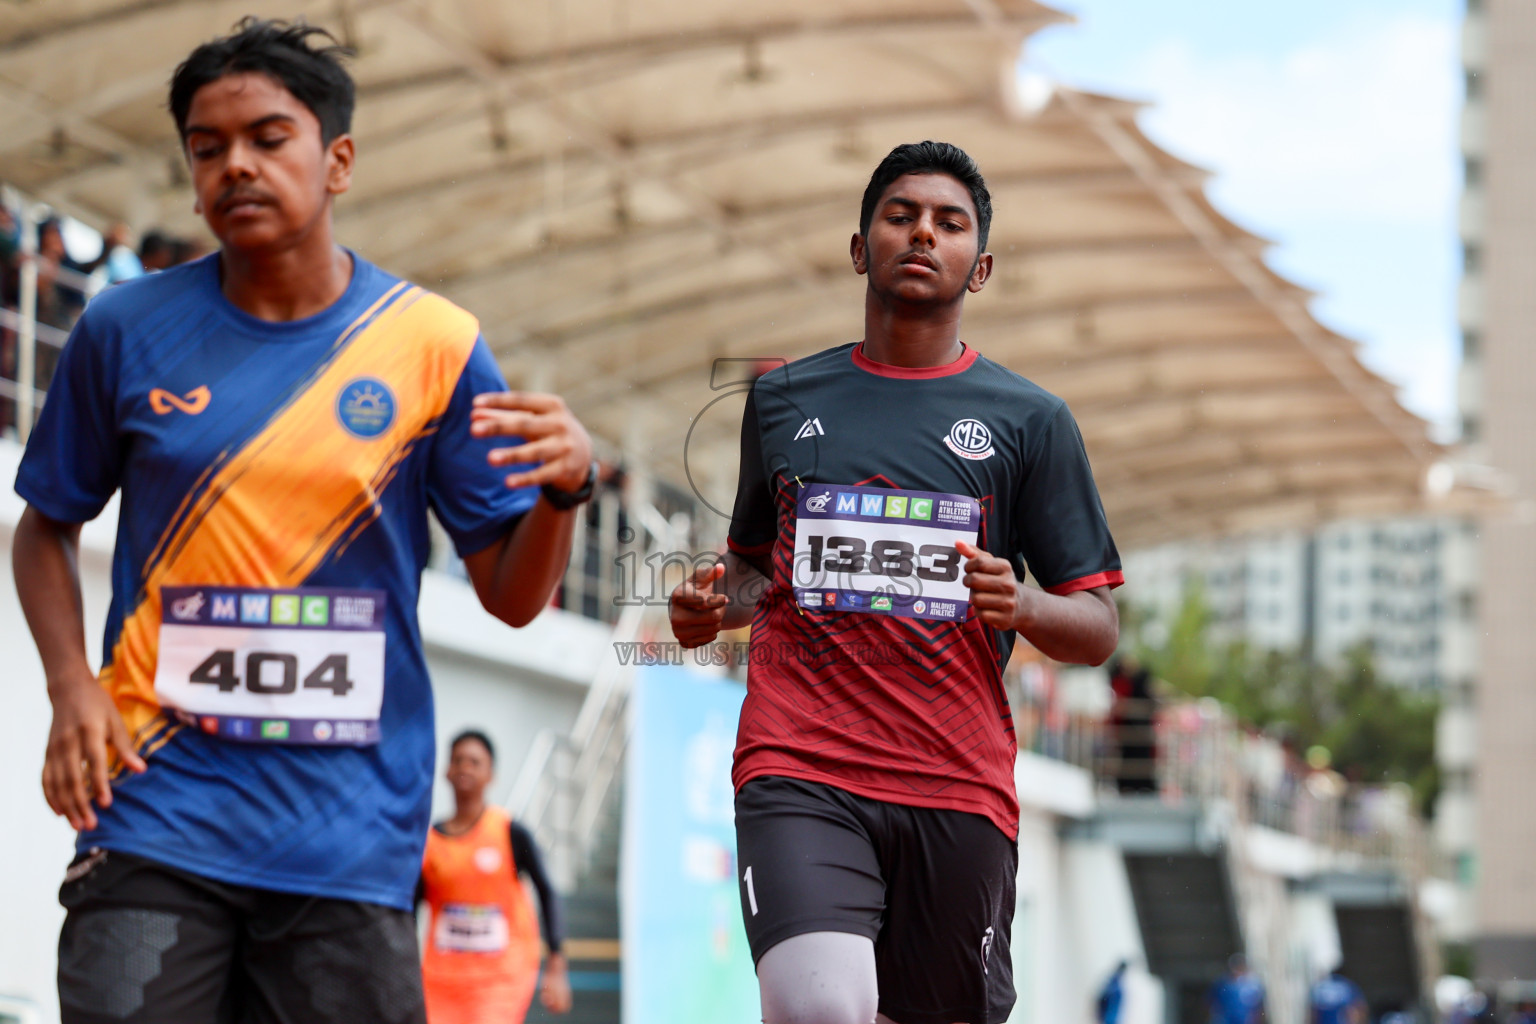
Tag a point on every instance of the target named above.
point(930, 158)
point(281, 49)
point(476, 735)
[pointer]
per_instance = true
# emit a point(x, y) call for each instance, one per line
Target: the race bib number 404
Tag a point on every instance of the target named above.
point(299, 666)
point(883, 552)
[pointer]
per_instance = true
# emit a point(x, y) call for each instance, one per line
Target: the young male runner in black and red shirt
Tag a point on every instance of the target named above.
point(892, 495)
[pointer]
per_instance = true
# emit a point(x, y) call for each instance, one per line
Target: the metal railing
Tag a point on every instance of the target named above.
point(1195, 749)
point(21, 392)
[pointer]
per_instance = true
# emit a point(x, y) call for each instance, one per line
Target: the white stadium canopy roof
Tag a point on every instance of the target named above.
point(625, 191)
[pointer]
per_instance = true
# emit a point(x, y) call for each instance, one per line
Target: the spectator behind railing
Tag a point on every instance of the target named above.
point(118, 259)
point(10, 256)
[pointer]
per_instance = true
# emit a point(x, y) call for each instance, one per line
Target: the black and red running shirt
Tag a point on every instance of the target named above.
point(907, 710)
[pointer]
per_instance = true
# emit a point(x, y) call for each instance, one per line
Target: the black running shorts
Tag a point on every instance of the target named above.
point(934, 890)
point(147, 944)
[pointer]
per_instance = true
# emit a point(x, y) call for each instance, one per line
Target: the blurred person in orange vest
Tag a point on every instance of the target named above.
point(482, 952)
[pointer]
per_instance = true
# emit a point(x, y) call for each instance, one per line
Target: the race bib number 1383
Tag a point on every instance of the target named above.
point(304, 665)
point(881, 551)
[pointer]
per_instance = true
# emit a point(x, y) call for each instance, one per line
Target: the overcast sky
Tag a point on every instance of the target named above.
point(1332, 126)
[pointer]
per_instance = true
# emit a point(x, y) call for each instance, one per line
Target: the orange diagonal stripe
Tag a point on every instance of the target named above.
point(276, 508)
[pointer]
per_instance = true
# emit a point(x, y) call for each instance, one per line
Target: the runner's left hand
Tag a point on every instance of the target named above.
point(996, 594)
point(556, 994)
point(551, 434)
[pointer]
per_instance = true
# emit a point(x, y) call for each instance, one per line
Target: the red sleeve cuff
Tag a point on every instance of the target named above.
point(750, 551)
point(1112, 579)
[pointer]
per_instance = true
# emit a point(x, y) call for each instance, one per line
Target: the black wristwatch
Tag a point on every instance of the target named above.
point(567, 500)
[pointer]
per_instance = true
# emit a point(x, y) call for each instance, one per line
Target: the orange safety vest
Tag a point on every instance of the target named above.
point(482, 943)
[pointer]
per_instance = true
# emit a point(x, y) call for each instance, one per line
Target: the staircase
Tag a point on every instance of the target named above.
point(592, 931)
point(1178, 864)
point(1377, 937)
point(1189, 925)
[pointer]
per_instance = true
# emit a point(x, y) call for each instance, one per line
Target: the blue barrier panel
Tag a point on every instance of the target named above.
point(686, 959)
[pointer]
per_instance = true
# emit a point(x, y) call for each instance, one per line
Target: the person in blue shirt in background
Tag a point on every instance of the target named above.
point(1112, 996)
point(1238, 998)
point(1337, 1000)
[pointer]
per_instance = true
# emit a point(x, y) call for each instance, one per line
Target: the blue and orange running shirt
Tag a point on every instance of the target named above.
point(262, 643)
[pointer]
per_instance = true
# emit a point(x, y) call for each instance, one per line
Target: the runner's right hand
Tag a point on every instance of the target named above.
point(86, 731)
point(696, 611)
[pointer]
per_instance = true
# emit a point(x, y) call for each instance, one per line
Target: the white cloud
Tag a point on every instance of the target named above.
point(1360, 123)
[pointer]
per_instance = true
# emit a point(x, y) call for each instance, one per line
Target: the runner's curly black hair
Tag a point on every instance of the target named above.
point(314, 74)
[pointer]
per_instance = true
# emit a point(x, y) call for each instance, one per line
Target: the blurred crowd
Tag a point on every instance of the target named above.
point(65, 284)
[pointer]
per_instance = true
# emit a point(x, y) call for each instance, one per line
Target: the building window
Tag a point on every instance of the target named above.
point(1471, 344)
point(1471, 258)
point(1474, 81)
point(1472, 172)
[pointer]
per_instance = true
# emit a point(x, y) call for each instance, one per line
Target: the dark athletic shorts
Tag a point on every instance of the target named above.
point(934, 890)
point(147, 944)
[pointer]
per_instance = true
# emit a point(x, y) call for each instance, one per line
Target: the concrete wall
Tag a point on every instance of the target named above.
point(1506, 874)
point(510, 683)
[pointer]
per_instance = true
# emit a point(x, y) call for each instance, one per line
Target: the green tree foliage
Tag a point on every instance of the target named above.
point(1375, 731)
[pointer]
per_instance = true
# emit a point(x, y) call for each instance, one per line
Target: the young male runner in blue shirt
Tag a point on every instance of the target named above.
point(250, 773)
point(891, 494)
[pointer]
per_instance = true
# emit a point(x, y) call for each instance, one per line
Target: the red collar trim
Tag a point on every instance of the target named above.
point(960, 365)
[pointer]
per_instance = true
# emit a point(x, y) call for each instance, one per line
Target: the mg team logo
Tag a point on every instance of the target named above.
point(970, 439)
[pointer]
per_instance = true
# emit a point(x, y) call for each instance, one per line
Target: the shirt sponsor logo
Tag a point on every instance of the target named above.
point(848, 503)
point(970, 439)
point(810, 428)
point(881, 603)
point(187, 608)
point(488, 860)
point(366, 407)
point(871, 504)
point(254, 607)
point(192, 403)
point(818, 503)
